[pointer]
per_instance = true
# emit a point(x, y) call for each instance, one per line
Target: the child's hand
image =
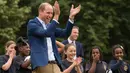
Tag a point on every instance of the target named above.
point(120, 58)
point(12, 54)
point(27, 58)
point(78, 61)
point(96, 58)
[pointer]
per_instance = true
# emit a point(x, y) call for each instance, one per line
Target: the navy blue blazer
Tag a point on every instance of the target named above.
point(119, 67)
point(79, 48)
point(38, 43)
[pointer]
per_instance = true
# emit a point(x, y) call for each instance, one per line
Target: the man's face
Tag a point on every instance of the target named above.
point(46, 15)
point(74, 34)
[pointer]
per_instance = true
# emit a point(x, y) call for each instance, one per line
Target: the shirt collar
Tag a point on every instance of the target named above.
point(70, 41)
point(41, 21)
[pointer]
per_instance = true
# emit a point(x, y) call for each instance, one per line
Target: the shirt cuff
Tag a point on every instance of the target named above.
point(56, 21)
point(71, 21)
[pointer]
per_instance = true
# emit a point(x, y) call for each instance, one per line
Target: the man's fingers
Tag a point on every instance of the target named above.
point(55, 3)
point(72, 7)
point(79, 6)
point(56, 6)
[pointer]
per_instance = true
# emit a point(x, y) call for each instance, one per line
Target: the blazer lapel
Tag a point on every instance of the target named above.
point(37, 21)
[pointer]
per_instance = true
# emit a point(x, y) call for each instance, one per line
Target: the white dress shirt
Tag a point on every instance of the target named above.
point(49, 42)
point(70, 41)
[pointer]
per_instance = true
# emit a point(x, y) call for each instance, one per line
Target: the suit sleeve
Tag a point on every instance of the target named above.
point(36, 30)
point(64, 42)
point(64, 32)
point(82, 51)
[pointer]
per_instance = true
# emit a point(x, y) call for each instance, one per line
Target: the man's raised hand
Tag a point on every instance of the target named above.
point(56, 10)
point(74, 11)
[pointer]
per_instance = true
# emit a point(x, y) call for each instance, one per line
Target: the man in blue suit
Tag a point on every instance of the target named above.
point(41, 36)
point(72, 40)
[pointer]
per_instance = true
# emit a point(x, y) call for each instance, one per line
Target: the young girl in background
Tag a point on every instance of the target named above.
point(69, 63)
point(118, 65)
point(95, 64)
point(7, 63)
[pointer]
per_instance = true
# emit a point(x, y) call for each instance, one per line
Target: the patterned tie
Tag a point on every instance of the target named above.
point(72, 42)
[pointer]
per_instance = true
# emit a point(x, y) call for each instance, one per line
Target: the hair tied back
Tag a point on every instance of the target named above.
point(121, 47)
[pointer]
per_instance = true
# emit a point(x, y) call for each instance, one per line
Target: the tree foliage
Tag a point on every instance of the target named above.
point(11, 18)
point(101, 22)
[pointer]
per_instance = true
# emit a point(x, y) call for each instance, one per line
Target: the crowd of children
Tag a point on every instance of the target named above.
point(21, 62)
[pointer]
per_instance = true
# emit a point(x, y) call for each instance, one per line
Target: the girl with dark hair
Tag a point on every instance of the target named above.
point(23, 58)
point(118, 65)
point(95, 64)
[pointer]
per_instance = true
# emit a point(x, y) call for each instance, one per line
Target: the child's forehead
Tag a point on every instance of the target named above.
point(118, 50)
point(71, 47)
point(95, 49)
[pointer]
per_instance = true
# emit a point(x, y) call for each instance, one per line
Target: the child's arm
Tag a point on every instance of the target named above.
point(68, 70)
point(94, 63)
point(115, 65)
point(7, 65)
point(78, 69)
point(76, 64)
point(59, 44)
point(26, 63)
point(93, 67)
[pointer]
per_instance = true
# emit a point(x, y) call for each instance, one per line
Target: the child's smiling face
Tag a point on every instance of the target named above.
point(118, 53)
point(71, 52)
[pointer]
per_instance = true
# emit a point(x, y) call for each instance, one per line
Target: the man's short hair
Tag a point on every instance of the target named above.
point(75, 27)
point(42, 6)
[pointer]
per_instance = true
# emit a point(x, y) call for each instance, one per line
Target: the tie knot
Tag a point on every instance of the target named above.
point(72, 42)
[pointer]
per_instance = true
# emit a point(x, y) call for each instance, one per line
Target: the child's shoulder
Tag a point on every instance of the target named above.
point(65, 61)
point(4, 57)
point(113, 60)
point(104, 62)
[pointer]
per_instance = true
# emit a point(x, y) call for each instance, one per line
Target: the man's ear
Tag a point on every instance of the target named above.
point(64, 52)
point(6, 48)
